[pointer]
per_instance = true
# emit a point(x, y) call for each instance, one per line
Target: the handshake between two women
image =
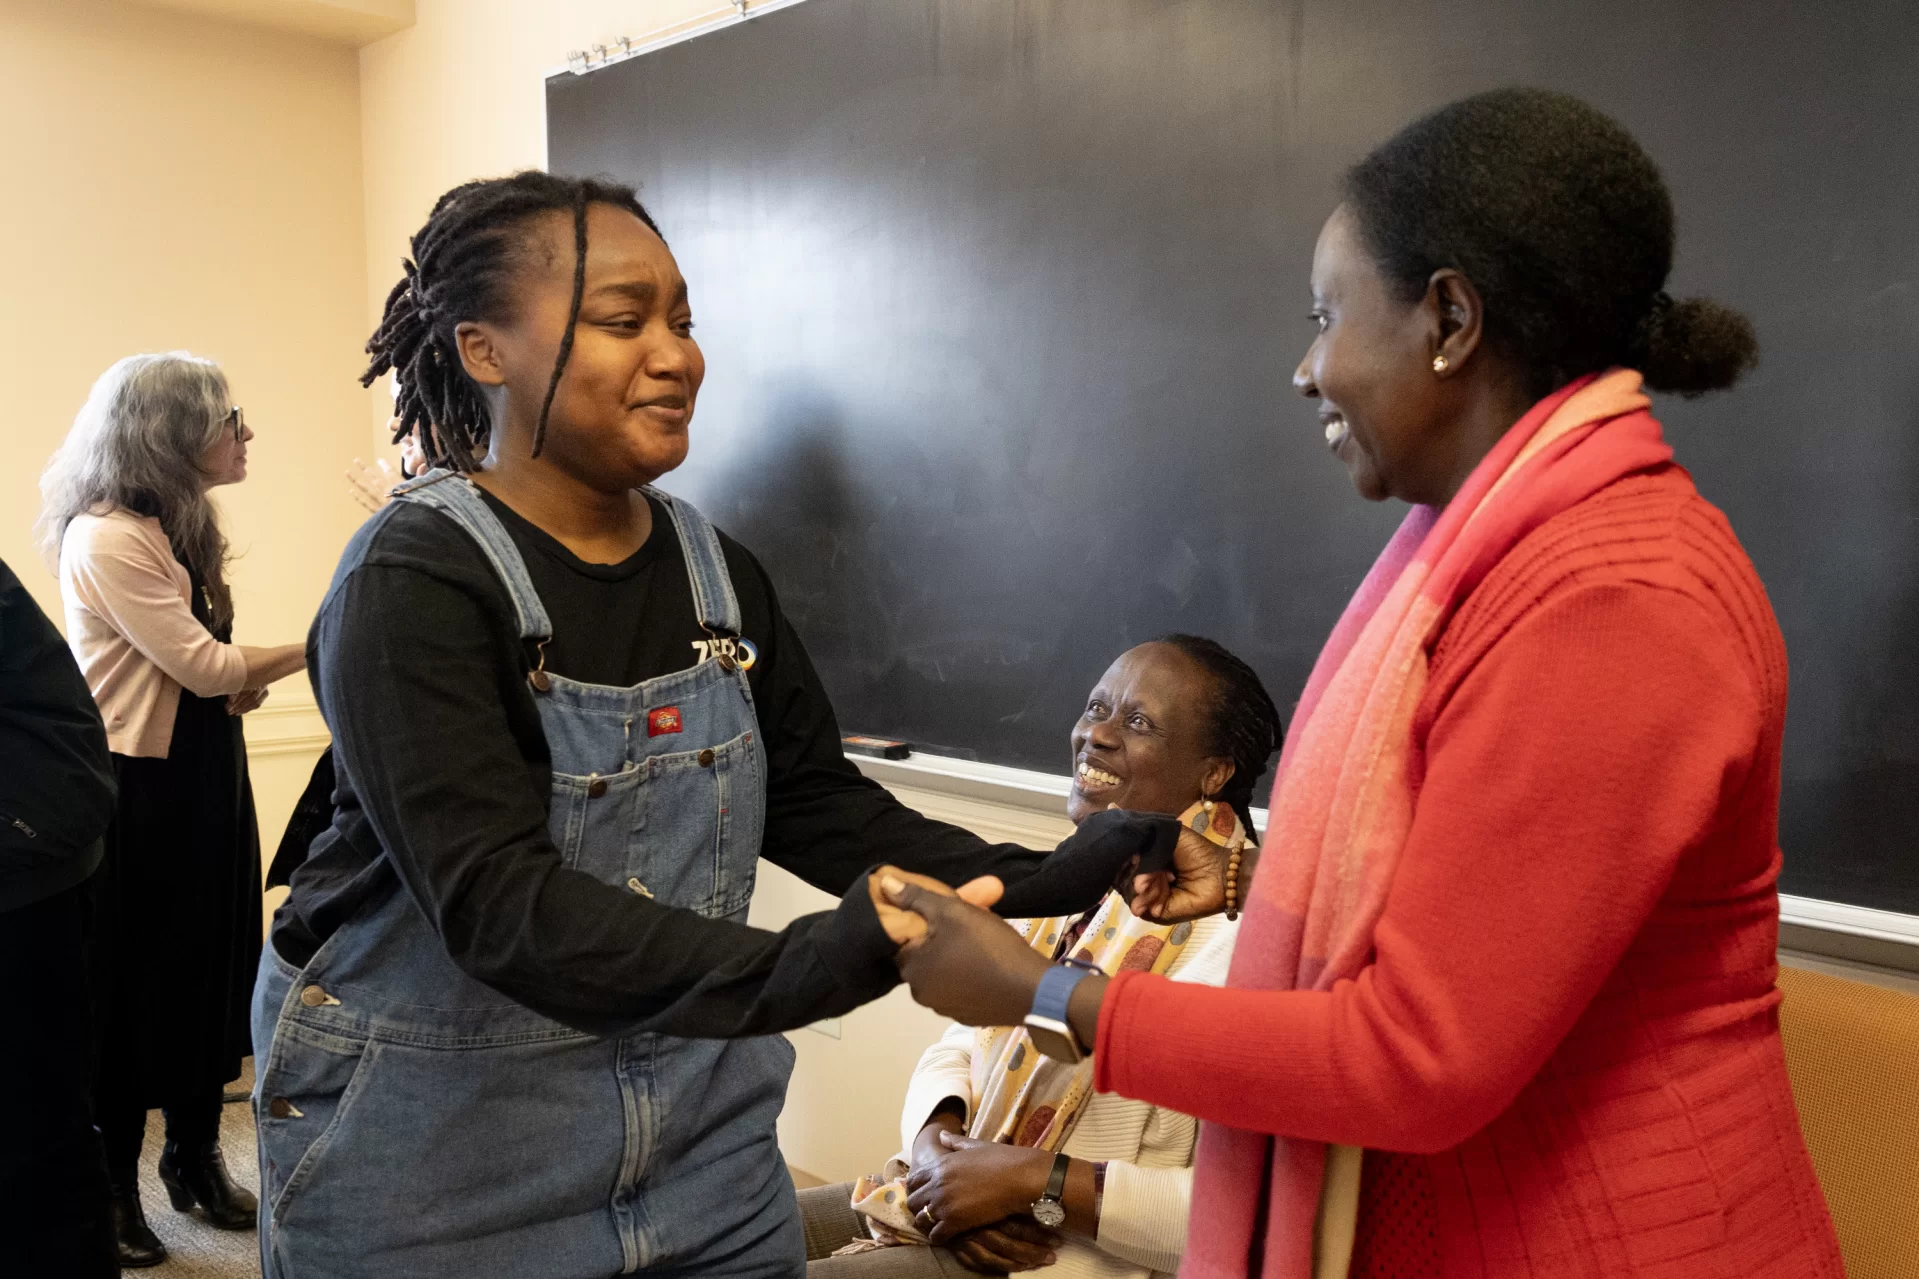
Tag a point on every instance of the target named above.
point(963, 961)
point(966, 963)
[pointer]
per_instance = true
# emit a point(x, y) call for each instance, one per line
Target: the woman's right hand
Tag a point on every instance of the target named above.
point(967, 963)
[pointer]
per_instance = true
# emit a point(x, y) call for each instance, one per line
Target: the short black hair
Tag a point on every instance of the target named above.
point(1246, 727)
point(465, 260)
point(1562, 222)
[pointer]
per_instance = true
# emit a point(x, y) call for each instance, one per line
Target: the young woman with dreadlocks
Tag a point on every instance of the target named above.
point(512, 1021)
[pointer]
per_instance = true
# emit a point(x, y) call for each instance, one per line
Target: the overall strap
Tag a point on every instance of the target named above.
point(713, 595)
point(457, 497)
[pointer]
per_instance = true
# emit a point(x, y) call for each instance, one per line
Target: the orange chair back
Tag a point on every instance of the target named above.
point(1853, 1052)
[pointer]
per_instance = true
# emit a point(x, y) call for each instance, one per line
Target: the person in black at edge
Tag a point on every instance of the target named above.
point(56, 798)
point(561, 711)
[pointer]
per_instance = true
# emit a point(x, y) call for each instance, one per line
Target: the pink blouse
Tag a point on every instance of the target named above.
point(131, 627)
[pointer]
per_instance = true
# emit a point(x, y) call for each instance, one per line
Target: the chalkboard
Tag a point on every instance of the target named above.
point(1001, 302)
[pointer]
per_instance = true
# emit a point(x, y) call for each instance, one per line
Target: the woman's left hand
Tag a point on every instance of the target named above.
point(247, 699)
point(1196, 887)
point(968, 964)
point(975, 1183)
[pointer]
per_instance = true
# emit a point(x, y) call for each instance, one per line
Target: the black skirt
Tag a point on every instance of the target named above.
point(178, 933)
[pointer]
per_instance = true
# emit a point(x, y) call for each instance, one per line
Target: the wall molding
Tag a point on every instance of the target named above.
point(290, 727)
point(1857, 921)
point(1024, 806)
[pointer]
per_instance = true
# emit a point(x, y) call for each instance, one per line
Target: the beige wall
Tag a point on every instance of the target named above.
point(182, 182)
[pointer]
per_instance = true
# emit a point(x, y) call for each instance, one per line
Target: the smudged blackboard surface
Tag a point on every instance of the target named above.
point(1001, 302)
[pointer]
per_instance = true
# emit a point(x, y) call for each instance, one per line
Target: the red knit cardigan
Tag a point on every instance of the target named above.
point(1569, 1028)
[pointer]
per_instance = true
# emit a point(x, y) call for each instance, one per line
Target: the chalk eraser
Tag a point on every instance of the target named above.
point(877, 747)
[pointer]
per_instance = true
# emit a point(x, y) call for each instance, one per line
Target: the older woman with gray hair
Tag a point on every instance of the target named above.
point(127, 524)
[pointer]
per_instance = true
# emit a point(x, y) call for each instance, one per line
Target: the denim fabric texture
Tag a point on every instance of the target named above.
point(414, 1122)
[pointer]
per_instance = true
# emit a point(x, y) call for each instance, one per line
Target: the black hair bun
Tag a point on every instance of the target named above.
point(1696, 345)
point(1564, 225)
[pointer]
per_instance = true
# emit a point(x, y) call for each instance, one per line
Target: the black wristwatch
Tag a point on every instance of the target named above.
point(1050, 1208)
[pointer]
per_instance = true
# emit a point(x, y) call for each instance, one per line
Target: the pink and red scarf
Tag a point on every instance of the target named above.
point(1343, 798)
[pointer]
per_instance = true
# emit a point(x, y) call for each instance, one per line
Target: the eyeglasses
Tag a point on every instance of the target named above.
point(238, 421)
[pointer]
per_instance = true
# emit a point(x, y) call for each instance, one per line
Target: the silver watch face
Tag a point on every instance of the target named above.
point(1049, 1213)
point(1053, 1038)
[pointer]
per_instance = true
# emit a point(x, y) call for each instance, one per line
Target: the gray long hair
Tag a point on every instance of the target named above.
point(137, 444)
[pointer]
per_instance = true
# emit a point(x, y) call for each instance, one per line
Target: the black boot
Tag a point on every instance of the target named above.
point(199, 1175)
point(137, 1244)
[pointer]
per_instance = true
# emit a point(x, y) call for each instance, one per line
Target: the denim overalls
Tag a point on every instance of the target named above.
point(416, 1123)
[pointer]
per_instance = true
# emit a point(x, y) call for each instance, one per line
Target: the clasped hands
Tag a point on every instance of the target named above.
point(975, 1195)
point(963, 962)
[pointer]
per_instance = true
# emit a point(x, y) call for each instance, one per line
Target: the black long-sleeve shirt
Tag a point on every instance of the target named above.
point(444, 778)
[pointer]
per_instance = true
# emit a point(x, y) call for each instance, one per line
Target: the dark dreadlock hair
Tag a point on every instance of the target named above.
point(464, 264)
point(1246, 724)
point(1564, 225)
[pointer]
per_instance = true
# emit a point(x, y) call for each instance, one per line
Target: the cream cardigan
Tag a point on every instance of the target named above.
point(131, 627)
point(1148, 1150)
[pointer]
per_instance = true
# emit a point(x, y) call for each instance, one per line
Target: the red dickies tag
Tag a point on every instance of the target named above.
point(665, 719)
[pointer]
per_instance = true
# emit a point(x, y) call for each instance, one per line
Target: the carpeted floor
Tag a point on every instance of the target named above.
point(197, 1249)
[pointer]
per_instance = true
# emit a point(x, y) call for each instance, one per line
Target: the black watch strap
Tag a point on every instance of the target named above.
point(1056, 1184)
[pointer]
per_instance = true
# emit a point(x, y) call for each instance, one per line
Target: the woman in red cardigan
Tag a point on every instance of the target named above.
point(1503, 1003)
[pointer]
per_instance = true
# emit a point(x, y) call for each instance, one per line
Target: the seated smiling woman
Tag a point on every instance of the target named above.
point(1177, 726)
point(1513, 929)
